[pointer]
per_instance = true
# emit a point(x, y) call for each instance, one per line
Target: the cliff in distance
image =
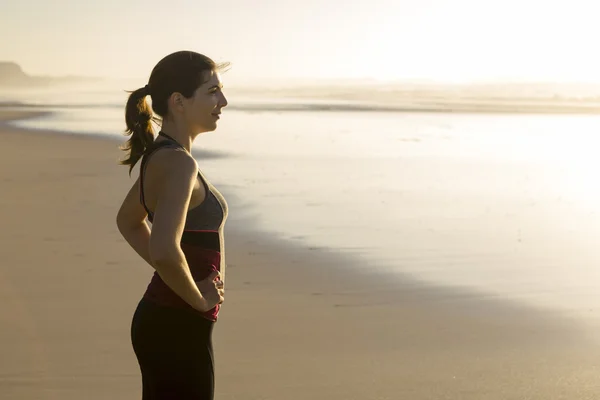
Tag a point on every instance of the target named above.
point(12, 75)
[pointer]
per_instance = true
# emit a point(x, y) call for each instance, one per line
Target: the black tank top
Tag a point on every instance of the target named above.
point(210, 215)
point(202, 240)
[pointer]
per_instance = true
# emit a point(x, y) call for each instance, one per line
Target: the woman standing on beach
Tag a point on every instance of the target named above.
point(172, 326)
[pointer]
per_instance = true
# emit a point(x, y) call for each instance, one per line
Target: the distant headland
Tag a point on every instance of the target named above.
point(12, 75)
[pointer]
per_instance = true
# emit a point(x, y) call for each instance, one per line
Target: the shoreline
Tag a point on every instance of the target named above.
point(297, 322)
point(419, 106)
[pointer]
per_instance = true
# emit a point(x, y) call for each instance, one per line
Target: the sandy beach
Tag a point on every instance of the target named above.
point(297, 323)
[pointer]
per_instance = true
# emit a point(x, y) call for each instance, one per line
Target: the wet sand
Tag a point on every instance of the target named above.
point(297, 323)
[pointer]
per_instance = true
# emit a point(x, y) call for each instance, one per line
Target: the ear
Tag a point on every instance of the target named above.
point(176, 102)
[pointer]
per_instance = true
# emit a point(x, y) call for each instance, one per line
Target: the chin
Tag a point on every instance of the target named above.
point(208, 128)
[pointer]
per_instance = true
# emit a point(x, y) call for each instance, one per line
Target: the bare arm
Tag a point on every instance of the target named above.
point(131, 221)
point(176, 174)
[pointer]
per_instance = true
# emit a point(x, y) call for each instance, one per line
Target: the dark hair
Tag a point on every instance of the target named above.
point(182, 72)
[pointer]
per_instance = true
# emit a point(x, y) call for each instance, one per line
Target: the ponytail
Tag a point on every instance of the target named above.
point(138, 119)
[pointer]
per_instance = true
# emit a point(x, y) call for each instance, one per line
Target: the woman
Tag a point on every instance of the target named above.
point(172, 325)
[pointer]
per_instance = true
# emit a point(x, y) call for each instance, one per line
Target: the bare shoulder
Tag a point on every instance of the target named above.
point(170, 178)
point(172, 162)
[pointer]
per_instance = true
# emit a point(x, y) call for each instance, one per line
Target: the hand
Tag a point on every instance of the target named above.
point(212, 290)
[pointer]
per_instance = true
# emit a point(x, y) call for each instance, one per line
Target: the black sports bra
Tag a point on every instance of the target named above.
point(209, 215)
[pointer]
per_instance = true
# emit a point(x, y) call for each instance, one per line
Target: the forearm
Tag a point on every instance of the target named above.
point(176, 274)
point(138, 238)
point(223, 261)
point(173, 270)
point(222, 265)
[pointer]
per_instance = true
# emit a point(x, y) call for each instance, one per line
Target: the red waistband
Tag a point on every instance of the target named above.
point(202, 263)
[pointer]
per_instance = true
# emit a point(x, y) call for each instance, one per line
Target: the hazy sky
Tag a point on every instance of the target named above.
point(455, 40)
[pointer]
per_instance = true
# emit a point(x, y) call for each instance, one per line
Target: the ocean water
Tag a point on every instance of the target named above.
point(507, 205)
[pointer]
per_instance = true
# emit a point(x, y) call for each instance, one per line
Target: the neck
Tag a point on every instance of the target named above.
point(182, 136)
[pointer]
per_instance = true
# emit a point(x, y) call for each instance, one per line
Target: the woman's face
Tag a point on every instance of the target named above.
point(203, 109)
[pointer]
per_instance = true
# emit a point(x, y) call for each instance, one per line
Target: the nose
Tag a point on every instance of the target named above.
point(223, 100)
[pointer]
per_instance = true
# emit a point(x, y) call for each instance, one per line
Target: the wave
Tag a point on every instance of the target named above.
point(250, 107)
point(322, 106)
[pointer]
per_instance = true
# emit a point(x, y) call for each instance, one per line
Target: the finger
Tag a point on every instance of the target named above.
point(213, 275)
point(221, 299)
point(219, 284)
point(221, 292)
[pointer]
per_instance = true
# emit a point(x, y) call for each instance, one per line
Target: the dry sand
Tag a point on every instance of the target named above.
point(296, 323)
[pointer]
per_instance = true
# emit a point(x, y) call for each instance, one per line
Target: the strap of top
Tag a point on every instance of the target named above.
point(161, 133)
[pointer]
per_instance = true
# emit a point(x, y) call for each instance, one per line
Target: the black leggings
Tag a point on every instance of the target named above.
point(174, 349)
